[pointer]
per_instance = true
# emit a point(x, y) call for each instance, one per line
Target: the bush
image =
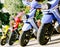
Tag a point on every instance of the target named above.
point(1, 5)
point(4, 17)
point(38, 15)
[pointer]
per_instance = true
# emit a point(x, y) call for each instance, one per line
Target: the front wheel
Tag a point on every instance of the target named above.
point(3, 41)
point(12, 38)
point(24, 38)
point(44, 33)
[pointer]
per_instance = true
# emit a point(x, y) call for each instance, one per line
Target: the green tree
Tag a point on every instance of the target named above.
point(13, 6)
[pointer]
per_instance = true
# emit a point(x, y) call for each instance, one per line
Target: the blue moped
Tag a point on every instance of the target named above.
point(28, 30)
point(47, 27)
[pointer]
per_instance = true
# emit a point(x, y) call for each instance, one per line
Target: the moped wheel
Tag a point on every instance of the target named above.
point(24, 38)
point(3, 41)
point(12, 38)
point(44, 34)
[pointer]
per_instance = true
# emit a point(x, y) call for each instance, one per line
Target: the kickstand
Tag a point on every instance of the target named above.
point(50, 38)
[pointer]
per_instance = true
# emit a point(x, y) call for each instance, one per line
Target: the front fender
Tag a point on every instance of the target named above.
point(26, 27)
point(47, 18)
point(3, 37)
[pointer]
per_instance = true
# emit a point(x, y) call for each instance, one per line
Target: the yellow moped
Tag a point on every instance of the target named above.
point(5, 34)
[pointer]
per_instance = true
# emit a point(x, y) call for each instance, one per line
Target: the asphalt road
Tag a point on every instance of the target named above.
point(55, 42)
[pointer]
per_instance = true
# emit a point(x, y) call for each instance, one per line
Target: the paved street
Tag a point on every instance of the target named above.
point(55, 42)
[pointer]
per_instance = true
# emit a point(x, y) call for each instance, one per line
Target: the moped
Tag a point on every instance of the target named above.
point(28, 31)
point(47, 27)
point(5, 34)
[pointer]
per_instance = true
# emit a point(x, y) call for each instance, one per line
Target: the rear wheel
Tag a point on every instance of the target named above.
point(44, 33)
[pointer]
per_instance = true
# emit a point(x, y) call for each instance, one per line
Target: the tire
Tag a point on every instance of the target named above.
point(3, 41)
point(12, 38)
point(24, 38)
point(44, 34)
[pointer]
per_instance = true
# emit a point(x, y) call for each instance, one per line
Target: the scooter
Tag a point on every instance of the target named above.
point(15, 32)
point(14, 36)
point(28, 31)
point(5, 34)
point(47, 27)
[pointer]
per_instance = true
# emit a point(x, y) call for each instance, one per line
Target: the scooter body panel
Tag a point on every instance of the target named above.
point(26, 27)
point(57, 15)
point(47, 18)
point(3, 37)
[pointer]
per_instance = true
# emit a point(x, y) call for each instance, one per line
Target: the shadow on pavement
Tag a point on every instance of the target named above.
point(55, 41)
point(32, 44)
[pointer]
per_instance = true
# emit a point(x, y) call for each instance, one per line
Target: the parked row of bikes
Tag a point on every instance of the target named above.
point(43, 34)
